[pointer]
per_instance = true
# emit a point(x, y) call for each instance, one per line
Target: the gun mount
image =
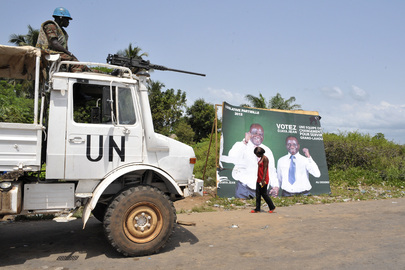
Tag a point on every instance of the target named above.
point(123, 61)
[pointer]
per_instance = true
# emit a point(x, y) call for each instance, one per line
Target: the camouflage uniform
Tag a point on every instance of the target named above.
point(50, 30)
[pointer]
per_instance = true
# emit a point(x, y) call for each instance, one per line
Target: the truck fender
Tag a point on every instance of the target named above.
point(91, 204)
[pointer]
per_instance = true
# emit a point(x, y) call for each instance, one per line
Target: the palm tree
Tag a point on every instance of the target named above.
point(276, 102)
point(256, 102)
point(30, 39)
point(132, 52)
point(32, 36)
point(18, 40)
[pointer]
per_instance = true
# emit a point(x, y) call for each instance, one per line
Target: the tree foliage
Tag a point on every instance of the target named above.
point(256, 102)
point(14, 108)
point(201, 116)
point(276, 102)
point(184, 132)
point(132, 52)
point(369, 159)
point(201, 149)
point(29, 39)
point(167, 106)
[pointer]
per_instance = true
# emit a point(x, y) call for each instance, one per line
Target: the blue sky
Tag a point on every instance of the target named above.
point(344, 59)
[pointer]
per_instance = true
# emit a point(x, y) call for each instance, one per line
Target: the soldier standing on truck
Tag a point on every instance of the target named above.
point(54, 39)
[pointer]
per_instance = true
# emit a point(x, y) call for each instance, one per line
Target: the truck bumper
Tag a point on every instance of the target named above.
point(195, 188)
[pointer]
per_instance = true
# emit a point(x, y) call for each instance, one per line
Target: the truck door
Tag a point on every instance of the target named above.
point(104, 129)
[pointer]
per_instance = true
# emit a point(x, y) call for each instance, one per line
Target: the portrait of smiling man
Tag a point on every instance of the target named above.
point(293, 170)
point(245, 169)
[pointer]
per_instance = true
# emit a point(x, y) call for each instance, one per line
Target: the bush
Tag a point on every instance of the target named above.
point(13, 108)
point(353, 157)
point(201, 150)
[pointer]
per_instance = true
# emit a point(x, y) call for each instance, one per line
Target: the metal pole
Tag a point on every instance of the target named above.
point(208, 151)
point(37, 67)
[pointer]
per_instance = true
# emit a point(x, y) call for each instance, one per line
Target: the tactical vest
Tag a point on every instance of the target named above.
point(43, 42)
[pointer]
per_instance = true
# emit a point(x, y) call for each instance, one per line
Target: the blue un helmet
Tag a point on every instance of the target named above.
point(62, 12)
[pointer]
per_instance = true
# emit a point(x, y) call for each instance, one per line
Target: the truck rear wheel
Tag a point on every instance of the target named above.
point(139, 221)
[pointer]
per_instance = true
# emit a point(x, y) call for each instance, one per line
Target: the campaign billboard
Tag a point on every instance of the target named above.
point(292, 141)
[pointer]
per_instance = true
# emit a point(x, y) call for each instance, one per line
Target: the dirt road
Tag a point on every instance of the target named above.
point(353, 235)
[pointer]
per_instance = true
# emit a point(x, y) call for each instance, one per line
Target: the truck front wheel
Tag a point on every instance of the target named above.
point(139, 221)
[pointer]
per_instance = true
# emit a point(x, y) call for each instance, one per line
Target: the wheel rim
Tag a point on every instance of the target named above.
point(143, 222)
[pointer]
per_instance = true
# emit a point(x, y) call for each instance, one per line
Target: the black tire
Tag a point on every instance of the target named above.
point(139, 221)
point(99, 211)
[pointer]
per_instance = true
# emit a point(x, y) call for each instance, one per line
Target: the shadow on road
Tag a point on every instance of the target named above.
point(24, 241)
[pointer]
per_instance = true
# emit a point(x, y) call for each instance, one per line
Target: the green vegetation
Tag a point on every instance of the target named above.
point(201, 150)
point(227, 203)
point(167, 107)
point(14, 106)
point(30, 39)
point(276, 102)
point(355, 159)
point(339, 194)
point(200, 118)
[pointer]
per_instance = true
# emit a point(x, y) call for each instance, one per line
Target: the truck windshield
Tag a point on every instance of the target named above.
point(92, 104)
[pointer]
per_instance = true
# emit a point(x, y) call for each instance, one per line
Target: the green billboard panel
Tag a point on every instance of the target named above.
point(292, 141)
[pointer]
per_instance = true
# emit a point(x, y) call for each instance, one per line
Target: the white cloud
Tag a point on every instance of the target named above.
point(332, 92)
point(358, 94)
point(217, 96)
point(384, 117)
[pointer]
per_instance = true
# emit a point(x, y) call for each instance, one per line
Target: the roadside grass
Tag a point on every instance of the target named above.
point(339, 194)
point(197, 209)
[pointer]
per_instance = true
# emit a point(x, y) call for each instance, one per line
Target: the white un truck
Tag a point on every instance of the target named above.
point(100, 151)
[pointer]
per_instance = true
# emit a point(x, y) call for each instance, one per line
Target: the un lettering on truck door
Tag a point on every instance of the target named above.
point(103, 129)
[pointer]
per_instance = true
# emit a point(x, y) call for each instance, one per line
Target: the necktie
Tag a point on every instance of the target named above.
point(291, 171)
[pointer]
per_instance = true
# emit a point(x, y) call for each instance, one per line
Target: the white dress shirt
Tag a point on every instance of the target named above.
point(303, 167)
point(245, 170)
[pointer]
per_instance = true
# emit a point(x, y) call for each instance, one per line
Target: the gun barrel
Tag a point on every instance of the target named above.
point(187, 72)
point(143, 64)
point(159, 67)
